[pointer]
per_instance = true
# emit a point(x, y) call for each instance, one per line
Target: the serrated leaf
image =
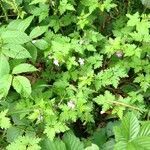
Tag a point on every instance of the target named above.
point(15, 51)
point(4, 121)
point(22, 68)
point(57, 144)
point(64, 5)
point(15, 37)
point(24, 143)
point(128, 129)
point(72, 142)
point(37, 31)
point(41, 44)
point(4, 66)
point(20, 25)
point(5, 83)
point(42, 11)
point(22, 86)
point(121, 145)
point(133, 19)
point(51, 130)
point(13, 133)
point(140, 143)
point(145, 129)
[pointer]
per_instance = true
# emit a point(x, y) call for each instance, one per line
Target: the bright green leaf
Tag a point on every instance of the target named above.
point(5, 83)
point(15, 37)
point(4, 121)
point(22, 68)
point(37, 31)
point(15, 51)
point(22, 86)
point(20, 25)
point(4, 65)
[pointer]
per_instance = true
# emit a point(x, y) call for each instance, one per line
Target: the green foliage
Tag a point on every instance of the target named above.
point(25, 142)
point(4, 121)
point(129, 135)
point(22, 68)
point(22, 85)
point(74, 65)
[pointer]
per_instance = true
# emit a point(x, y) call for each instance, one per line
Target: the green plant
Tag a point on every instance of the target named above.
point(129, 135)
point(71, 65)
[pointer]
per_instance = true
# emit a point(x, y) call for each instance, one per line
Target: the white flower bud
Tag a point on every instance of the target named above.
point(71, 104)
point(56, 62)
point(119, 54)
point(102, 112)
point(81, 61)
point(81, 42)
point(40, 118)
point(33, 41)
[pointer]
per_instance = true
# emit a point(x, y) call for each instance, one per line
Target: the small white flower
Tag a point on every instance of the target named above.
point(81, 61)
point(49, 57)
point(81, 42)
point(102, 112)
point(33, 41)
point(56, 62)
point(40, 118)
point(119, 54)
point(53, 3)
point(71, 104)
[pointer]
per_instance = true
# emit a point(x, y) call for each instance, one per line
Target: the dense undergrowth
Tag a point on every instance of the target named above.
point(74, 75)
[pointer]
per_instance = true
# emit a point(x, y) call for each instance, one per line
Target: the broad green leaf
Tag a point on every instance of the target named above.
point(57, 144)
point(145, 129)
point(13, 133)
point(72, 142)
point(5, 83)
point(140, 143)
point(22, 86)
point(32, 50)
point(37, 31)
point(20, 25)
point(4, 66)
point(15, 37)
point(22, 68)
point(121, 145)
point(15, 51)
point(129, 128)
point(92, 147)
point(60, 145)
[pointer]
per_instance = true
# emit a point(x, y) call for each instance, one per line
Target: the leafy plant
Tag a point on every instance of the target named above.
point(69, 70)
point(129, 135)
